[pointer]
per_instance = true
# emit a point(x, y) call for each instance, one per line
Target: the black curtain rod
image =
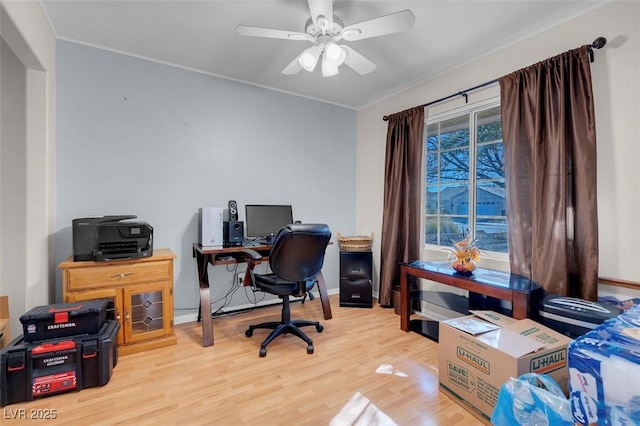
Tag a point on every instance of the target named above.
point(597, 44)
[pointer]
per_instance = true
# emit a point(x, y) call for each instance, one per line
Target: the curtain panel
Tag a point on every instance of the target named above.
point(550, 169)
point(400, 240)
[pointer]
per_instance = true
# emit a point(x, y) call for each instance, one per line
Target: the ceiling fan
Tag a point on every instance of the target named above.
point(325, 30)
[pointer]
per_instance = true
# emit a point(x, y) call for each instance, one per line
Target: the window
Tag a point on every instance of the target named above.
point(465, 185)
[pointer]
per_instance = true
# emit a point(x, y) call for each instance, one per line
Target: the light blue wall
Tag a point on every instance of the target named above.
point(138, 137)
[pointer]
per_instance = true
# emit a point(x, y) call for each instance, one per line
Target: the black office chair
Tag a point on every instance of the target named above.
point(296, 257)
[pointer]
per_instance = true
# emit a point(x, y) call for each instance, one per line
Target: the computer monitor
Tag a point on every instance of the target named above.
point(265, 220)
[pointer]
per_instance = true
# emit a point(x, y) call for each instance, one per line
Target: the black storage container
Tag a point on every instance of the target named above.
point(31, 370)
point(574, 317)
point(64, 319)
point(356, 271)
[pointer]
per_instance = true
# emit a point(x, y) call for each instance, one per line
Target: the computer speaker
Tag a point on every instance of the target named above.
point(233, 211)
point(233, 232)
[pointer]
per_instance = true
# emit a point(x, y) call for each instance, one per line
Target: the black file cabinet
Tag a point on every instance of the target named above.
point(356, 271)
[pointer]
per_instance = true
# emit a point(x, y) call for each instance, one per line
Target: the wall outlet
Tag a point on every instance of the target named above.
point(240, 278)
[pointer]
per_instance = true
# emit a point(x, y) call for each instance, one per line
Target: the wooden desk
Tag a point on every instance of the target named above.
point(520, 291)
point(230, 255)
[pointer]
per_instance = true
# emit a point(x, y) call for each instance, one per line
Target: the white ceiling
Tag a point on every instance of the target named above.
point(200, 35)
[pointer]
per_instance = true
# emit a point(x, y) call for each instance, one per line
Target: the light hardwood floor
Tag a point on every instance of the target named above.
point(229, 384)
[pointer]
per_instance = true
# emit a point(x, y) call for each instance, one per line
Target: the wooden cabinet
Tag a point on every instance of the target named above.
point(4, 321)
point(141, 291)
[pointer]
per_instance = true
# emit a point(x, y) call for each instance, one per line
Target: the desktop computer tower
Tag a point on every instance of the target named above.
point(210, 233)
point(233, 233)
point(356, 272)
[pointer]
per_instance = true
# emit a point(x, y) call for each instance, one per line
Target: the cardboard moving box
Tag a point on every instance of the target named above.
point(479, 352)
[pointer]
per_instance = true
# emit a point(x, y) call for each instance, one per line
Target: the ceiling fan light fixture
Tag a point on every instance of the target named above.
point(334, 54)
point(309, 58)
point(328, 69)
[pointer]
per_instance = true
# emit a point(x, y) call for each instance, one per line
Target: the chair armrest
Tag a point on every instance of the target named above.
point(254, 255)
point(252, 258)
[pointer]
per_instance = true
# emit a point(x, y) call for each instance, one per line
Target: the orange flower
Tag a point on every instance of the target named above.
point(465, 254)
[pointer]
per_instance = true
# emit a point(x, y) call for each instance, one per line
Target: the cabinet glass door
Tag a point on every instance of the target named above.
point(146, 314)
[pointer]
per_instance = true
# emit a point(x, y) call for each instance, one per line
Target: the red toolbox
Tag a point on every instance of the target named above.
point(64, 319)
point(31, 370)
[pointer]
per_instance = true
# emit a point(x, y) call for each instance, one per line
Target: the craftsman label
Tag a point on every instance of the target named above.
point(40, 364)
point(59, 326)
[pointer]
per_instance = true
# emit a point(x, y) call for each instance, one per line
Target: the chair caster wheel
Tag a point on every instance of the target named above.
point(248, 333)
point(310, 349)
point(319, 328)
point(263, 352)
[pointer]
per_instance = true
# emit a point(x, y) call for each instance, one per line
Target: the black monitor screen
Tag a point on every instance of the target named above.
point(265, 220)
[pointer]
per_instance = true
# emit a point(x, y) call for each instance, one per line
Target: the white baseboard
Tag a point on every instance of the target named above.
point(193, 317)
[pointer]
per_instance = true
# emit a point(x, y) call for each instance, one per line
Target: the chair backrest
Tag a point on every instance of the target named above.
point(298, 251)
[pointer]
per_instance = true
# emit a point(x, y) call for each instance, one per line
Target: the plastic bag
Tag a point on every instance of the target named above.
point(532, 400)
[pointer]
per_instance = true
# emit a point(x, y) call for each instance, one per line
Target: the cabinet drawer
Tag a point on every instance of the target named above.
point(355, 264)
point(356, 292)
point(125, 274)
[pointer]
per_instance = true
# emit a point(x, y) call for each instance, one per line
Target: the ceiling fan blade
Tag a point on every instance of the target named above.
point(294, 67)
point(388, 24)
point(270, 33)
point(321, 8)
point(359, 63)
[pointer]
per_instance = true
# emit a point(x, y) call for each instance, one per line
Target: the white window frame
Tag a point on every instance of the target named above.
point(489, 102)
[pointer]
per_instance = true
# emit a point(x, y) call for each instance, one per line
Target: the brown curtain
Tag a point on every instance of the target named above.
point(400, 240)
point(550, 167)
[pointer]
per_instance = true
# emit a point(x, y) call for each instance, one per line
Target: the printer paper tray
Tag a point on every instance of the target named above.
point(106, 255)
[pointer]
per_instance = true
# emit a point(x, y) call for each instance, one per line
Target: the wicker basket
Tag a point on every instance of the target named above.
point(355, 243)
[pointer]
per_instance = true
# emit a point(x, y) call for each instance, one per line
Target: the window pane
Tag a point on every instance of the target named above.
point(490, 199)
point(490, 161)
point(432, 137)
point(431, 206)
point(489, 125)
point(491, 234)
point(454, 199)
point(452, 229)
point(432, 168)
point(454, 165)
point(431, 230)
point(454, 133)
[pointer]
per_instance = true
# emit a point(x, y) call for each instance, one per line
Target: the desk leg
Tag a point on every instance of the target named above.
point(405, 300)
point(324, 297)
point(205, 299)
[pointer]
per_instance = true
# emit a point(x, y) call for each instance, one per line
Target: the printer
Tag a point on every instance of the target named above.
point(111, 238)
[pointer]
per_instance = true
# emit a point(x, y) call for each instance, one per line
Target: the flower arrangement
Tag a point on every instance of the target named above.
point(465, 255)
